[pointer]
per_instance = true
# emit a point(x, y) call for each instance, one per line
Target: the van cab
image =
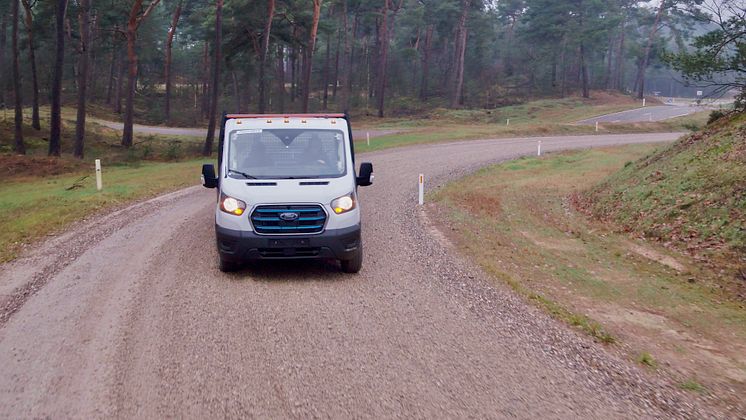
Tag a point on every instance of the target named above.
point(287, 189)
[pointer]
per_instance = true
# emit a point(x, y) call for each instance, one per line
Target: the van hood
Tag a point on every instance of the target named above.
point(267, 191)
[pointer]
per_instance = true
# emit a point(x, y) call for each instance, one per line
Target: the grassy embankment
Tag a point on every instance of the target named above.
point(666, 309)
point(690, 197)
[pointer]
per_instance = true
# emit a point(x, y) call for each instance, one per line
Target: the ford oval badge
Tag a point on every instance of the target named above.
point(289, 217)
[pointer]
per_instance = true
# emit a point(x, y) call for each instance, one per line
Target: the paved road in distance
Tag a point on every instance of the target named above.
point(649, 113)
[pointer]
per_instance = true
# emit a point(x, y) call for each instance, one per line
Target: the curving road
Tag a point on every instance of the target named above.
point(127, 316)
point(646, 114)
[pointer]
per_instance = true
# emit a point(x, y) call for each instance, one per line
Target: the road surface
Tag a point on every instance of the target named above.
point(127, 316)
point(358, 135)
point(649, 113)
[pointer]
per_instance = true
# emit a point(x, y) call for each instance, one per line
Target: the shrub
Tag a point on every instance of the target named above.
point(714, 116)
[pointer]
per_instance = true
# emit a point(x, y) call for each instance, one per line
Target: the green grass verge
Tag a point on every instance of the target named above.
point(33, 208)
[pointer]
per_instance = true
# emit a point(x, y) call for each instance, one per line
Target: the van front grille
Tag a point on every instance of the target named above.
point(289, 219)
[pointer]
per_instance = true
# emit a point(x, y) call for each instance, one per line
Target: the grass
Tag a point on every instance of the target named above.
point(646, 359)
point(33, 208)
point(693, 386)
point(40, 195)
point(516, 220)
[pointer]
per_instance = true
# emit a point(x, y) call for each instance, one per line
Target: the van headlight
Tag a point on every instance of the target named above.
point(232, 205)
point(343, 204)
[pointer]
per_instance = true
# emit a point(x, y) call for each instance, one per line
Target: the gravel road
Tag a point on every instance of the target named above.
point(127, 316)
point(649, 113)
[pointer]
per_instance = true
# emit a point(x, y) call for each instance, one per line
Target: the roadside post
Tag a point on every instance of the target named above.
point(538, 149)
point(596, 126)
point(99, 181)
point(367, 138)
point(421, 200)
point(507, 122)
point(643, 102)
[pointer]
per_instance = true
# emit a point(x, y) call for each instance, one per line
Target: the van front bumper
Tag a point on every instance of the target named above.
point(238, 246)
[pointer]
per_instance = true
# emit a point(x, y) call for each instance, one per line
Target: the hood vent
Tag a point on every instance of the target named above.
point(314, 183)
point(261, 184)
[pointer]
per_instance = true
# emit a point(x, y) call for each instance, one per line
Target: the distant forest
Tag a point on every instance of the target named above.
point(181, 62)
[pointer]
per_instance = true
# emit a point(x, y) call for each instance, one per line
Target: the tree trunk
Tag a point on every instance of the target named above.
point(584, 72)
point(120, 83)
point(383, 39)
point(135, 18)
point(3, 31)
point(205, 79)
point(112, 70)
point(293, 65)
point(236, 92)
point(281, 93)
point(609, 59)
point(167, 67)
point(215, 89)
point(263, 56)
point(554, 72)
point(646, 54)
point(619, 82)
point(129, 107)
point(426, 62)
point(308, 57)
point(35, 120)
point(351, 59)
point(460, 54)
point(344, 75)
point(56, 106)
point(18, 147)
point(92, 79)
point(335, 79)
point(84, 21)
point(327, 69)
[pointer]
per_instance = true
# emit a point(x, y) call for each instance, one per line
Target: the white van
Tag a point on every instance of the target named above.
point(287, 188)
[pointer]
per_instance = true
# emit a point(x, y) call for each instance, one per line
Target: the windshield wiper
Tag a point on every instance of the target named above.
point(245, 175)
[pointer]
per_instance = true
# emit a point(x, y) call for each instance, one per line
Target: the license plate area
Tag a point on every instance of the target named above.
point(290, 243)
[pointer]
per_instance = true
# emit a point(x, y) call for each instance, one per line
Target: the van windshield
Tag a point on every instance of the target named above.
point(286, 154)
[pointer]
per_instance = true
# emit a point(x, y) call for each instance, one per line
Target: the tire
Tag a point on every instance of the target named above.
point(227, 266)
point(354, 264)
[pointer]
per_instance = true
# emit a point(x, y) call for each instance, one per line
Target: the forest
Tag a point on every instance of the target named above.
point(183, 62)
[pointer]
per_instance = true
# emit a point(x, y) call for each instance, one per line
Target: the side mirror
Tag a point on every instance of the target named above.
point(209, 180)
point(365, 177)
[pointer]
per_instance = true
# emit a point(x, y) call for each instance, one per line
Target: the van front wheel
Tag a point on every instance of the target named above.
point(354, 264)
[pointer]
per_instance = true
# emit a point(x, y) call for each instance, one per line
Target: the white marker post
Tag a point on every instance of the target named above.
point(597, 126)
point(421, 200)
point(643, 102)
point(538, 149)
point(367, 137)
point(99, 182)
point(507, 122)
